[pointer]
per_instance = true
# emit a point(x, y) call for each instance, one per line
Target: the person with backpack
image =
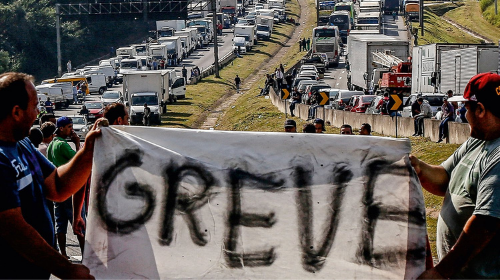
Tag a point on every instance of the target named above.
point(383, 104)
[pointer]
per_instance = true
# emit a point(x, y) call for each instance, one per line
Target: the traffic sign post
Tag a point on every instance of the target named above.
point(324, 100)
point(396, 105)
point(284, 96)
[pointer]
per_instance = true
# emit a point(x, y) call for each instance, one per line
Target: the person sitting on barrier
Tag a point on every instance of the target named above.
point(366, 129)
point(448, 115)
point(296, 98)
point(346, 129)
point(314, 101)
point(425, 112)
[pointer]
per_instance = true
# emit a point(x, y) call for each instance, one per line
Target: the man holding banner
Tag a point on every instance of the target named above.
point(467, 239)
point(26, 230)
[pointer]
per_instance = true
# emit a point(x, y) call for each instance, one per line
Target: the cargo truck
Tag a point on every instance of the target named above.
point(264, 27)
point(174, 49)
point(360, 62)
point(157, 51)
point(190, 40)
point(426, 69)
point(124, 52)
point(390, 6)
point(176, 24)
point(146, 87)
point(460, 65)
point(246, 31)
point(61, 94)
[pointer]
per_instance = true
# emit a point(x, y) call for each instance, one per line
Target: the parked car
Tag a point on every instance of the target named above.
point(95, 110)
point(308, 67)
point(325, 59)
point(109, 97)
point(372, 108)
point(435, 100)
point(343, 98)
point(297, 80)
point(313, 88)
point(81, 125)
point(350, 104)
point(361, 103)
point(301, 87)
point(309, 73)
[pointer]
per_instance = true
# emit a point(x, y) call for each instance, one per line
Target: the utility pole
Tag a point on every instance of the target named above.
point(216, 47)
point(58, 35)
point(421, 17)
point(317, 12)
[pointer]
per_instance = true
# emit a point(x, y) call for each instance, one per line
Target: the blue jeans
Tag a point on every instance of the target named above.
point(443, 128)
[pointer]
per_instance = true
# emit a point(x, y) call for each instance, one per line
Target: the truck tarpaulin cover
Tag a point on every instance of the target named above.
point(175, 203)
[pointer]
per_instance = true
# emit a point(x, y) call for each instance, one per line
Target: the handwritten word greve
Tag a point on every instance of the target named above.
point(313, 259)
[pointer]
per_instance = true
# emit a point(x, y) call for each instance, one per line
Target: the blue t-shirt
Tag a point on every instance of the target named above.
point(23, 170)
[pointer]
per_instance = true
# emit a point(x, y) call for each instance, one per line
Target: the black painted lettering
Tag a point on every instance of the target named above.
point(374, 211)
point(314, 259)
point(131, 158)
point(238, 218)
point(184, 202)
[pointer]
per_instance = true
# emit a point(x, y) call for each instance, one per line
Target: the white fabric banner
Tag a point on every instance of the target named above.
point(177, 203)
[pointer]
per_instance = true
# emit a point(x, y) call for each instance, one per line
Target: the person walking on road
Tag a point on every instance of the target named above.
point(300, 45)
point(469, 220)
point(68, 66)
point(308, 44)
point(237, 82)
point(26, 230)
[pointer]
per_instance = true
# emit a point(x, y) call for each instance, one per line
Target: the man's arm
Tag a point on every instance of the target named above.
point(28, 243)
point(477, 233)
point(433, 178)
point(67, 179)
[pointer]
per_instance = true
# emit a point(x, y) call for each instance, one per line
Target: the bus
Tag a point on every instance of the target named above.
point(342, 20)
point(326, 39)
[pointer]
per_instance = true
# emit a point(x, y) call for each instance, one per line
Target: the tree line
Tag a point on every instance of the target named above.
point(28, 37)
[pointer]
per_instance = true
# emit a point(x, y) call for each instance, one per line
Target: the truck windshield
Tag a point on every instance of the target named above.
point(262, 28)
point(342, 21)
point(128, 65)
point(148, 99)
point(166, 33)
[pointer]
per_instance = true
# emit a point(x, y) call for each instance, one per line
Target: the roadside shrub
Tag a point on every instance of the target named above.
point(489, 15)
point(483, 4)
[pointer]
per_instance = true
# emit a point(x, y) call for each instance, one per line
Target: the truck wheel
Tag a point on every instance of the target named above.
point(102, 90)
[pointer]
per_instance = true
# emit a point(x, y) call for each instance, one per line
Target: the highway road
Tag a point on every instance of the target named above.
point(337, 77)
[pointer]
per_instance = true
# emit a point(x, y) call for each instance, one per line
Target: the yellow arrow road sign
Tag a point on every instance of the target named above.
point(324, 98)
point(397, 102)
point(285, 93)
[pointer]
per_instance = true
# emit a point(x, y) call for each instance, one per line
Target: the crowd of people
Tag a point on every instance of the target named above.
point(318, 126)
point(35, 177)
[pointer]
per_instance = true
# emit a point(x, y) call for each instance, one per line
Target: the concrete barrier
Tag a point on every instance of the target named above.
point(386, 125)
point(210, 70)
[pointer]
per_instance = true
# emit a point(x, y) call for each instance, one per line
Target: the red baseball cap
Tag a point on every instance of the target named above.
point(484, 88)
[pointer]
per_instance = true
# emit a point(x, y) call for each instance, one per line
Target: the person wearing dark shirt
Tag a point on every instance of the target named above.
point(26, 230)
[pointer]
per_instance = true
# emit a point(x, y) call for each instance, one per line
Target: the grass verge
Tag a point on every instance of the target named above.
point(202, 97)
point(437, 30)
point(470, 16)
